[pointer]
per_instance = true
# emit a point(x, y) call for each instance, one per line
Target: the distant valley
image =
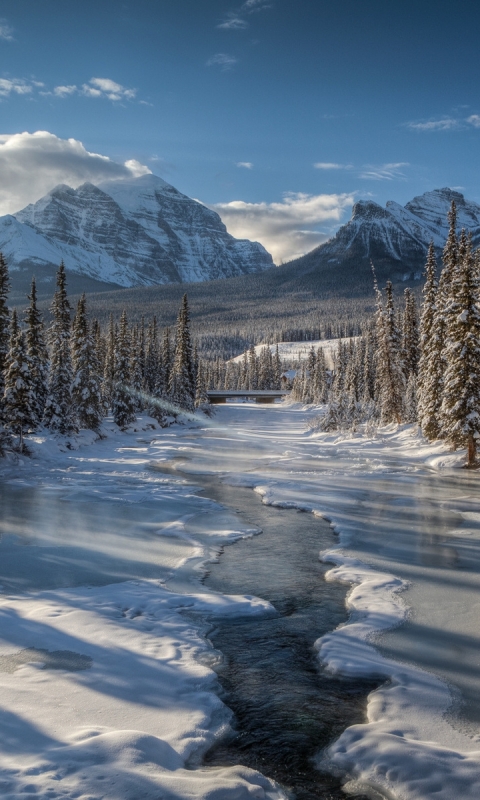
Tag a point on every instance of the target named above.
point(236, 295)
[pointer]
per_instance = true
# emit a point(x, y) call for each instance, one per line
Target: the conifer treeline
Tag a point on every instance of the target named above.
point(69, 376)
point(399, 371)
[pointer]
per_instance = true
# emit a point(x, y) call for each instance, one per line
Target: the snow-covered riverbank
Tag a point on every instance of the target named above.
point(145, 708)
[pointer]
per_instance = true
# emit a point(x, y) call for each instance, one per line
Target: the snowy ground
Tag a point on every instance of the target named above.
point(299, 351)
point(125, 697)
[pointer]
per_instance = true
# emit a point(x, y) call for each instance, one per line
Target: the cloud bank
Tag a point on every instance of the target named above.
point(287, 229)
point(446, 124)
point(31, 164)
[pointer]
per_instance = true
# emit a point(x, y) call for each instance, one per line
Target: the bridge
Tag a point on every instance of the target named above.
point(257, 395)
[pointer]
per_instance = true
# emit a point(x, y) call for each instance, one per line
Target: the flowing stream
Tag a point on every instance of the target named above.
point(286, 708)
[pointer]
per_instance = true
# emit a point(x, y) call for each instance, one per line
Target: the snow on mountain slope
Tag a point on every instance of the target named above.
point(140, 231)
point(394, 238)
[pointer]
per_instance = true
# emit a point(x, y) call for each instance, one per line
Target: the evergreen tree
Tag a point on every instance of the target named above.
point(410, 351)
point(430, 375)
point(166, 364)
point(461, 392)
point(277, 370)
point(86, 386)
point(152, 359)
point(252, 368)
point(182, 378)
point(37, 353)
point(123, 403)
point(320, 387)
point(4, 324)
point(109, 364)
point(136, 376)
point(390, 380)
point(18, 398)
point(58, 414)
point(201, 397)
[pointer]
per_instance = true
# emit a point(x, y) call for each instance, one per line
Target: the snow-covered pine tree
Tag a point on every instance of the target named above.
point(368, 368)
point(277, 369)
point(123, 403)
point(136, 377)
point(19, 398)
point(450, 263)
point(244, 372)
point(165, 363)
point(201, 397)
point(252, 368)
point(58, 415)
point(37, 353)
point(460, 408)
point(430, 369)
point(410, 351)
point(320, 380)
point(87, 385)
point(389, 375)
point(109, 363)
point(4, 324)
point(182, 378)
point(152, 357)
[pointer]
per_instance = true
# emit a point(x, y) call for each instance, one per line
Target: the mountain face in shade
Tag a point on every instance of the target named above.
point(132, 232)
point(394, 239)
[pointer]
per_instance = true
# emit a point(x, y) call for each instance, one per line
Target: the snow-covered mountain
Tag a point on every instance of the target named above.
point(133, 232)
point(395, 238)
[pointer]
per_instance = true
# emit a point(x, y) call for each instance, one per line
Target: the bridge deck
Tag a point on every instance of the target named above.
point(258, 395)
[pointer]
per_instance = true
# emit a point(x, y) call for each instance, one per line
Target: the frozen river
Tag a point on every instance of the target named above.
point(79, 526)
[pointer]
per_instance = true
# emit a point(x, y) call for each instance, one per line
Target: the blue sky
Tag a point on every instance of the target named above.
point(279, 113)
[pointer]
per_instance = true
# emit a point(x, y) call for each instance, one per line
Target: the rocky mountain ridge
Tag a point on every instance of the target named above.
point(395, 238)
point(132, 232)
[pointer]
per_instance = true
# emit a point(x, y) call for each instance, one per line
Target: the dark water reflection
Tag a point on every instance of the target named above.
point(286, 709)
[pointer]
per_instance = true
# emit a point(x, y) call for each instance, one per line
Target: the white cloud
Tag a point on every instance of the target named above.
point(245, 164)
point(31, 164)
point(222, 60)
point(6, 31)
point(105, 87)
point(384, 172)
point(445, 124)
point(14, 86)
point(64, 91)
point(287, 229)
point(474, 120)
point(233, 23)
point(251, 6)
point(331, 165)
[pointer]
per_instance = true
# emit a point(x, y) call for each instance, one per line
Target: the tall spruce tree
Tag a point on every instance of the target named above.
point(410, 351)
point(430, 371)
point(58, 414)
point(123, 402)
point(182, 379)
point(4, 325)
point(109, 363)
point(37, 353)
point(461, 390)
point(19, 398)
point(86, 386)
point(389, 375)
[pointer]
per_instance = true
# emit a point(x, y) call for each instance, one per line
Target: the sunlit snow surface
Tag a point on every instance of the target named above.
point(146, 708)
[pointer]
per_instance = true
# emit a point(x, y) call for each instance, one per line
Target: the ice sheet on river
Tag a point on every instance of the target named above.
point(409, 539)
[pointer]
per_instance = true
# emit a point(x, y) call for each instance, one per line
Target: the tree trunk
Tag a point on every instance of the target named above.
point(472, 450)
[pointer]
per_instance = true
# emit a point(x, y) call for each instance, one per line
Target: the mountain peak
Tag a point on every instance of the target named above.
point(128, 232)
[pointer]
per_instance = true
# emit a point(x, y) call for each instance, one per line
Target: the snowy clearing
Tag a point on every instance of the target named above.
point(141, 712)
point(298, 351)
